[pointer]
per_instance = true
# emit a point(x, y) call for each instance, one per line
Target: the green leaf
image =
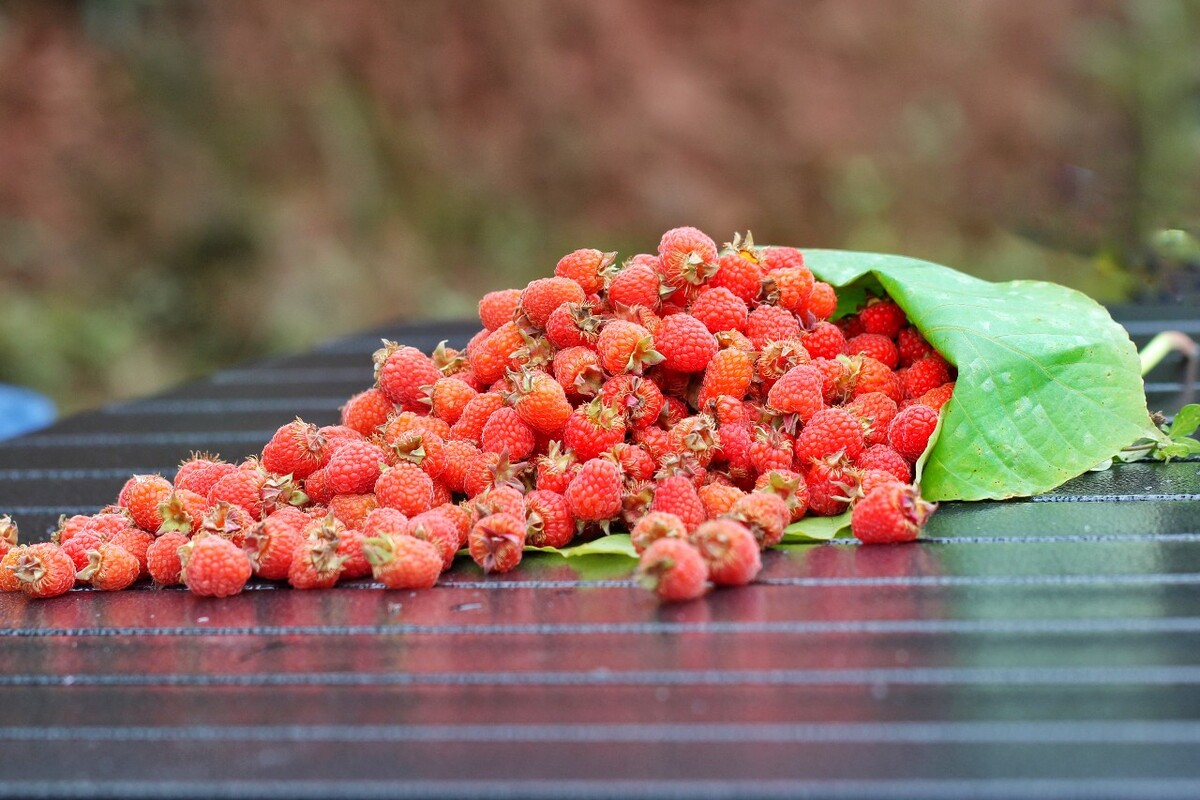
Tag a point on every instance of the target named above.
point(1179, 448)
point(816, 529)
point(1048, 384)
point(615, 544)
point(1185, 422)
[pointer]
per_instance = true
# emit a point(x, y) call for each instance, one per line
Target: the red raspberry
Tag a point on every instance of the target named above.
point(883, 317)
point(829, 431)
point(385, 520)
point(593, 429)
point(789, 288)
point(401, 371)
point(352, 509)
point(162, 559)
point(142, 496)
point(588, 268)
point(226, 520)
point(182, 511)
point(506, 432)
point(497, 308)
point(730, 551)
point(499, 500)
point(674, 569)
point(851, 326)
point(720, 310)
point(875, 410)
point(497, 542)
point(421, 449)
point(889, 514)
point(777, 358)
point(695, 437)
point(214, 567)
point(8, 534)
point(822, 301)
point(338, 435)
point(656, 525)
point(555, 468)
point(770, 449)
point(316, 486)
point(655, 440)
point(134, 541)
point(544, 295)
point(765, 515)
point(824, 340)
point(910, 431)
point(71, 526)
point(577, 370)
point(355, 467)
point(573, 325)
point(868, 480)
point(350, 551)
point(771, 323)
point(925, 375)
point(475, 415)
point(636, 399)
point(798, 392)
point(366, 411)
point(911, 346)
point(109, 568)
point(271, 543)
point(493, 469)
point(936, 398)
point(200, 472)
point(634, 460)
point(790, 486)
point(403, 562)
point(448, 397)
point(775, 259)
point(637, 284)
point(877, 347)
point(540, 402)
point(884, 458)
point(78, 546)
point(495, 353)
point(687, 256)
point(869, 375)
point(439, 529)
point(830, 487)
point(736, 443)
point(718, 498)
point(626, 347)
point(296, 449)
point(548, 520)
point(677, 495)
point(315, 562)
point(406, 488)
point(38, 570)
point(729, 373)
point(739, 275)
point(594, 494)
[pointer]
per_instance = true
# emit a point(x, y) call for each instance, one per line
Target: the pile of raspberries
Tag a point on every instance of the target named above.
point(699, 398)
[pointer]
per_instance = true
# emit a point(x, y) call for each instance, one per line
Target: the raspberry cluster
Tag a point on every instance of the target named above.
point(699, 398)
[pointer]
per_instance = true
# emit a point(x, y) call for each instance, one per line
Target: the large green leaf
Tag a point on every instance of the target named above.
point(1048, 385)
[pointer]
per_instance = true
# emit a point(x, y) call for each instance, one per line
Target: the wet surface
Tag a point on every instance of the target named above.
point(1035, 648)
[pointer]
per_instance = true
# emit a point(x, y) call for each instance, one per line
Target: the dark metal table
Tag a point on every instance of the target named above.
point(1038, 648)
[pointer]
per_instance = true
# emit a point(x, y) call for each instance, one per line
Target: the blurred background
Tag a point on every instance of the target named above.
point(184, 185)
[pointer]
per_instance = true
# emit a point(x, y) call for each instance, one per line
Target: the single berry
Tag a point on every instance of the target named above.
point(594, 494)
point(497, 308)
point(296, 449)
point(406, 488)
point(162, 559)
point(889, 514)
point(497, 542)
point(673, 569)
point(214, 567)
point(655, 525)
point(730, 551)
point(402, 562)
point(109, 569)
point(39, 570)
point(910, 431)
point(366, 411)
point(400, 372)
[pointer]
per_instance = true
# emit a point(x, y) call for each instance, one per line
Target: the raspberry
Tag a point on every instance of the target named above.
point(499, 500)
point(422, 449)
point(136, 542)
point(634, 460)
point(884, 458)
point(448, 397)
point(674, 569)
point(475, 415)
point(439, 529)
point(736, 443)
point(798, 392)
point(39, 570)
point(162, 559)
point(366, 411)
point(739, 275)
point(182, 511)
point(936, 398)
point(493, 469)
point(544, 295)
point(350, 551)
point(883, 317)
point(729, 373)
point(548, 520)
point(910, 431)
point(497, 542)
point(494, 353)
point(657, 525)
point(78, 546)
point(790, 486)
point(694, 437)
point(316, 486)
point(829, 487)
point(214, 567)
point(730, 551)
point(226, 520)
point(296, 449)
point(765, 515)
point(573, 325)
point(875, 410)
point(315, 562)
point(869, 375)
point(352, 509)
point(593, 429)
point(405, 488)
point(594, 494)
point(8, 534)
point(925, 375)
point(877, 347)
point(506, 432)
point(402, 562)
point(497, 308)
point(200, 472)
point(577, 370)
point(770, 449)
point(824, 340)
point(142, 496)
point(677, 495)
point(637, 284)
point(829, 431)
point(889, 514)
point(385, 520)
point(271, 543)
point(626, 347)
point(720, 310)
point(911, 346)
point(777, 358)
point(588, 268)
point(109, 569)
point(637, 399)
point(789, 288)
point(354, 468)
point(540, 402)
point(555, 468)
point(822, 301)
point(771, 323)
point(687, 256)
point(400, 372)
